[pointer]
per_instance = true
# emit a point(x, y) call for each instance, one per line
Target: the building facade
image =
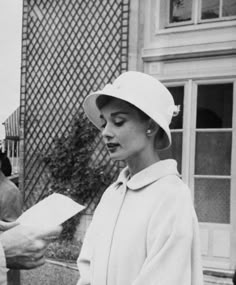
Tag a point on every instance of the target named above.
point(190, 45)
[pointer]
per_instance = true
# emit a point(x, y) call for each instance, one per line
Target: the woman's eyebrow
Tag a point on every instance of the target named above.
point(115, 114)
point(119, 113)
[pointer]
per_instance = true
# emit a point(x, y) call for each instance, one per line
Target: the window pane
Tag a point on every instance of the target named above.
point(175, 151)
point(229, 8)
point(213, 153)
point(214, 106)
point(180, 10)
point(212, 200)
point(178, 94)
point(210, 9)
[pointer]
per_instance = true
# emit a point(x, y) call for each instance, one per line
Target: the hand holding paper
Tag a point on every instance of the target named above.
point(51, 211)
point(25, 244)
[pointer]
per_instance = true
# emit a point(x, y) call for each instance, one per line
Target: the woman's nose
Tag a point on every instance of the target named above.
point(106, 132)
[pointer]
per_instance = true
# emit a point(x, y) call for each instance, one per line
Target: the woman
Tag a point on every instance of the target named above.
point(144, 230)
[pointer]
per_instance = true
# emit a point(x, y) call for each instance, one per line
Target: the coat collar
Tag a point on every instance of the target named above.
point(148, 175)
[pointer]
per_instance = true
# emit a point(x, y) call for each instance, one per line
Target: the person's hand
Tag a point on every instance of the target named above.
point(25, 246)
point(4, 226)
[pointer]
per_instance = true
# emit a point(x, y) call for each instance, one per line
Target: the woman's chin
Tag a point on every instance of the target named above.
point(115, 156)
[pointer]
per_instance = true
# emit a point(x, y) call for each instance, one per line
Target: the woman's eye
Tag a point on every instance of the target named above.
point(119, 124)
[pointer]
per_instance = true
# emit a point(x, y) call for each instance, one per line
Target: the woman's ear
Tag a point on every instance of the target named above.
point(152, 128)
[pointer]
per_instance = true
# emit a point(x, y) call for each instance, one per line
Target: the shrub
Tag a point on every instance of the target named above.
point(72, 171)
point(64, 250)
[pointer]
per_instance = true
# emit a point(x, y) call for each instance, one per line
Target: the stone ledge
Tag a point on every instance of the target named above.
point(218, 277)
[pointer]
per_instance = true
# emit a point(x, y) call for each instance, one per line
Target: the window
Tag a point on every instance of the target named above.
point(176, 126)
point(213, 144)
point(202, 138)
point(210, 9)
point(198, 11)
point(216, 9)
point(180, 11)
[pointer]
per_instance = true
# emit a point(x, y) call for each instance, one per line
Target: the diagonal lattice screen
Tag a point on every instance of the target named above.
point(69, 48)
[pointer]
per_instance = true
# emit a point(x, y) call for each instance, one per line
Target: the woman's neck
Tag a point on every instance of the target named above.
point(141, 161)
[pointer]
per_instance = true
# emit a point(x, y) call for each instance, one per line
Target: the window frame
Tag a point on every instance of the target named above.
point(189, 133)
point(196, 16)
point(193, 133)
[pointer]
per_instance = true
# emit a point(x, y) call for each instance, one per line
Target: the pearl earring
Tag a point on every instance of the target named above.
point(148, 132)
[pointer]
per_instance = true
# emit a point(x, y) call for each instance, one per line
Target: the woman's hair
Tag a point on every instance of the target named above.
point(159, 139)
point(104, 100)
point(5, 164)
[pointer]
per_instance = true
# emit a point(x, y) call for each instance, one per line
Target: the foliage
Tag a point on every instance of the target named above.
point(73, 172)
point(64, 250)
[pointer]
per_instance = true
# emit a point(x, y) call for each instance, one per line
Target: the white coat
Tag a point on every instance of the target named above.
point(144, 232)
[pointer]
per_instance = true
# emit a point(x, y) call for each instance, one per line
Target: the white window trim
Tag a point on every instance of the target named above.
point(203, 26)
point(233, 180)
point(187, 133)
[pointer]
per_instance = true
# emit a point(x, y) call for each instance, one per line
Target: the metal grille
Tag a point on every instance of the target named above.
point(69, 48)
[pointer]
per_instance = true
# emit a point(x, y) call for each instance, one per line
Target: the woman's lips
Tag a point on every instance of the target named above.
point(112, 146)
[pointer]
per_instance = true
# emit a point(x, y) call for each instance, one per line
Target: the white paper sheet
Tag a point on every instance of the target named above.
point(51, 211)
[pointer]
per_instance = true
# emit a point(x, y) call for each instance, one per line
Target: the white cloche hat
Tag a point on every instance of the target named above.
point(141, 90)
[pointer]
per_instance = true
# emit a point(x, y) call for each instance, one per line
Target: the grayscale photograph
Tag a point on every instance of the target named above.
point(118, 142)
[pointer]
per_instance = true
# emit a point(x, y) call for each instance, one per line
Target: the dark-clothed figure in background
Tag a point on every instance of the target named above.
point(10, 203)
point(5, 164)
point(10, 196)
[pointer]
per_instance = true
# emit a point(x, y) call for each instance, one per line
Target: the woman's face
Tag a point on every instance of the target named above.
point(123, 130)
